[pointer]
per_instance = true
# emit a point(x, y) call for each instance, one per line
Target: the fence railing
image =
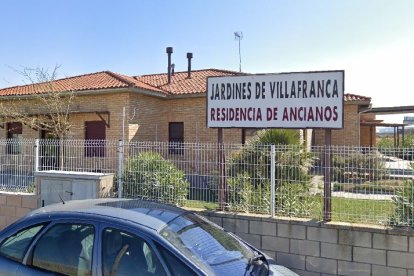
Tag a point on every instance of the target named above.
point(368, 185)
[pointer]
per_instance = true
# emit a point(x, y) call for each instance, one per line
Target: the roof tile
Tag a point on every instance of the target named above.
point(94, 81)
point(180, 83)
point(355, 98)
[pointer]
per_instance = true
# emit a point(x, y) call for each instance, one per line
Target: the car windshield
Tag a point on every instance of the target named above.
point(207, 245)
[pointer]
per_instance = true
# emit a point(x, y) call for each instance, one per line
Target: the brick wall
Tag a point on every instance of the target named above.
point(14, 206)
point(349, 135)
point(147, 118)
point(368, 137)
point(84, 108)
point(153, 116)
point(314, 248)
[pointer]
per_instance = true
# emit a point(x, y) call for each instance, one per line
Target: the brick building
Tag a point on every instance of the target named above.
point(355, 131)
point(152, 108)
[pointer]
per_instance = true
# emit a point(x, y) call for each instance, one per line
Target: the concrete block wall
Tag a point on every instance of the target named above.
point(14, 206)
point(317, 248)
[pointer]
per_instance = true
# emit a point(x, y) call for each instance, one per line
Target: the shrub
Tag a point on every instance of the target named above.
point(385, 143)
point(276, 137)
point(404, 151)
point(150, 176)
point(249, 171)
point(293, 199)
point(408, 141)
point(404, 205)
point(254, 158)
point(357, 167)
point(244, 196)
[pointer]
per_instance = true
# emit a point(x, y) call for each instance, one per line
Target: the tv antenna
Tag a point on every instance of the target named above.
point(239, 36)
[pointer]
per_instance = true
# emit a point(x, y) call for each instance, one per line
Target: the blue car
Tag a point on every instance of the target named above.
point(125, 237)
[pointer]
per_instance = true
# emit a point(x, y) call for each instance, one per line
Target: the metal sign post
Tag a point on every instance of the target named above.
point(327, 204)
point(222, 169)
point(295, 100)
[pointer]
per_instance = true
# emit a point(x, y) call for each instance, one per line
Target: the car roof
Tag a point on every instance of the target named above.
point(151, 214)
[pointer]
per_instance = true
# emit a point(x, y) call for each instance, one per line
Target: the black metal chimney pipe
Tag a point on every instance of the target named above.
point(189, 57)
point(169, 52)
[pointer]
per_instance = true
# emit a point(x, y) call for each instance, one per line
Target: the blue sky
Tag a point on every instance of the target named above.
point(373, 41)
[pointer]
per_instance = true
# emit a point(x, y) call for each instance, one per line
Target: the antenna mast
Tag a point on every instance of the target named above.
point(239, 36)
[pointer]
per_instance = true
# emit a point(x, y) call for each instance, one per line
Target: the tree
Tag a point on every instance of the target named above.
point(47, 109)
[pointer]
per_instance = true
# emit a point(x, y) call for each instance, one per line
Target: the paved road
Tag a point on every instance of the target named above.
point(362, 196)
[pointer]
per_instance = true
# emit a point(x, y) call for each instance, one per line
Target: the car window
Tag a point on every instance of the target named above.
point(127, 254)
point(176, 267)
point(65, 249)
point(207, 245)
point(16, 246)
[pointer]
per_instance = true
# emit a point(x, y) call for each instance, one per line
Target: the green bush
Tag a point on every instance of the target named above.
point(249, 171)
point(357, 167)
point(293, 199)
point(385, 143)
point(150, 176)
point(408, 141)
point(276, 137)
point(404, 205)
point(244, 196)
point(254, 158)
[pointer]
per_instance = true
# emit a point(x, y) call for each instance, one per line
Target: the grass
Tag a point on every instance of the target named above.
point(343, 209)
point(362, 210)
point(201, 204)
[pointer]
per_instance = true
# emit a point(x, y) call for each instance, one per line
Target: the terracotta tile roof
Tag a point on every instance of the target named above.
point(180, 84)
point(94, 81)
point(356, 98)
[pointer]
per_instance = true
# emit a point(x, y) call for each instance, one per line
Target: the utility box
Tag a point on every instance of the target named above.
point(56, 186)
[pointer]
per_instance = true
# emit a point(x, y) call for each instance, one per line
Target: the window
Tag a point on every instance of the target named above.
point(14, 136)
point(95, 135)
point(65, 249)
point(207, 246)
point(16, 246)
point(174, 264)
point(126, 254)
point(176, 138)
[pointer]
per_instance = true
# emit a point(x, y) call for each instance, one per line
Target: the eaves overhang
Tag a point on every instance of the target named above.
point(90, 92)
point(386, 110)
point(357, 102)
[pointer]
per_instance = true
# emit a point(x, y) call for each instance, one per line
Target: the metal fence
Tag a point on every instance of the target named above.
point(366, 185)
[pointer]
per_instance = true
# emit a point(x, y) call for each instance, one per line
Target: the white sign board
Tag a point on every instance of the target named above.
point(287, 100)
